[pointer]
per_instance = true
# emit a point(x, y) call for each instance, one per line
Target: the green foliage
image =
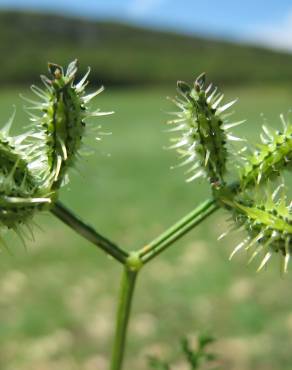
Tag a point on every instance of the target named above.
point(156, 364)
point(194, 357)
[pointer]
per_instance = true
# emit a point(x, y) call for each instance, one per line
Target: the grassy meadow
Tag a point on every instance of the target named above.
point(58, 295)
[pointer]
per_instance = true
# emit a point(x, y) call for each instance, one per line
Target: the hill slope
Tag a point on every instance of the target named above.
point(122, 54)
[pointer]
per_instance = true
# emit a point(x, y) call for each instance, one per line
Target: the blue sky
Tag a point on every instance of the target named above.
point(267, 22)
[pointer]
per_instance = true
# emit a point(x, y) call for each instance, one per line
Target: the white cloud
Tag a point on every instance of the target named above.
point(138, 8)
point(277, 35)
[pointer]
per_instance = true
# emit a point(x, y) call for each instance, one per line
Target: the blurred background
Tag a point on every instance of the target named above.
point(58, 295)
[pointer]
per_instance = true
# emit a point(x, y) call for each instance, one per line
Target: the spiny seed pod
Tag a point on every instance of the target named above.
point(269, 226)
point(272, 157)
point(203, 124)
point(62, 123)
point(18, 159)
point(20, 197)
point(14, 171)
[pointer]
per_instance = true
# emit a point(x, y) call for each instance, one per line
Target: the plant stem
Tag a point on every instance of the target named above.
point(123, 314)
point(88, 232)
point(178, 230)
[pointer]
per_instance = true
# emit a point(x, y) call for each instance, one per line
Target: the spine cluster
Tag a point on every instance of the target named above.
point(204, 130)
point(34, 165)
point(268, 223)
point(204, 137)
point(62, 120)
point(270, 158)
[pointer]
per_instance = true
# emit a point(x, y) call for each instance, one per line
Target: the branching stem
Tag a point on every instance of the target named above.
point(178, 230)
point(88, 232)
point(133, 261)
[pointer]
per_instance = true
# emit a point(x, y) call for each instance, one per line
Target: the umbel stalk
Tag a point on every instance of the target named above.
point(88, 232)
point(132, 261)
point(122, 317)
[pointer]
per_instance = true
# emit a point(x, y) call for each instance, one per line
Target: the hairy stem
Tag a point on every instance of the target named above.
point(88, 232)
point(178, 230)
point(122, 318)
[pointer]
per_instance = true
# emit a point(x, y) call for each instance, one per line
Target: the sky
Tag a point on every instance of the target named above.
point(265, 22)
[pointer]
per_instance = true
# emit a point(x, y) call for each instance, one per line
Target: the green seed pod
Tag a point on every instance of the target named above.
point(203, 125)
point(272, 157)
point(62, 123)
point(269, 226)
point(20, 197)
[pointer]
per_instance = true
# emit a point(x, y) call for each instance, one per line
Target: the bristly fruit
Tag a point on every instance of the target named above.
point(268, 222)
point(271, 157)
point(20, 196)
point(34, 164)
point(204, 127)
point(64, 108)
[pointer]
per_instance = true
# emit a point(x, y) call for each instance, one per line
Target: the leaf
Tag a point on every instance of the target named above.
point(204, 340)
point(157, 364)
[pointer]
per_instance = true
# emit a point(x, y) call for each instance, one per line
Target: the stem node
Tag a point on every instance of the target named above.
point(134, 261)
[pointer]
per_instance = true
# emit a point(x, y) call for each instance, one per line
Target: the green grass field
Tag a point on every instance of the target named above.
point(58, 296)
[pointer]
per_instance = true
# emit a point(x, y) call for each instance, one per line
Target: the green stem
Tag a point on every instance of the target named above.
point(178, 230)
point(123, 314)
point(88, 232)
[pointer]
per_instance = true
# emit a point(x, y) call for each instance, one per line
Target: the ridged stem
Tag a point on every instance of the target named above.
point(178, 230)
point(122, 318)
point(88, 232)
